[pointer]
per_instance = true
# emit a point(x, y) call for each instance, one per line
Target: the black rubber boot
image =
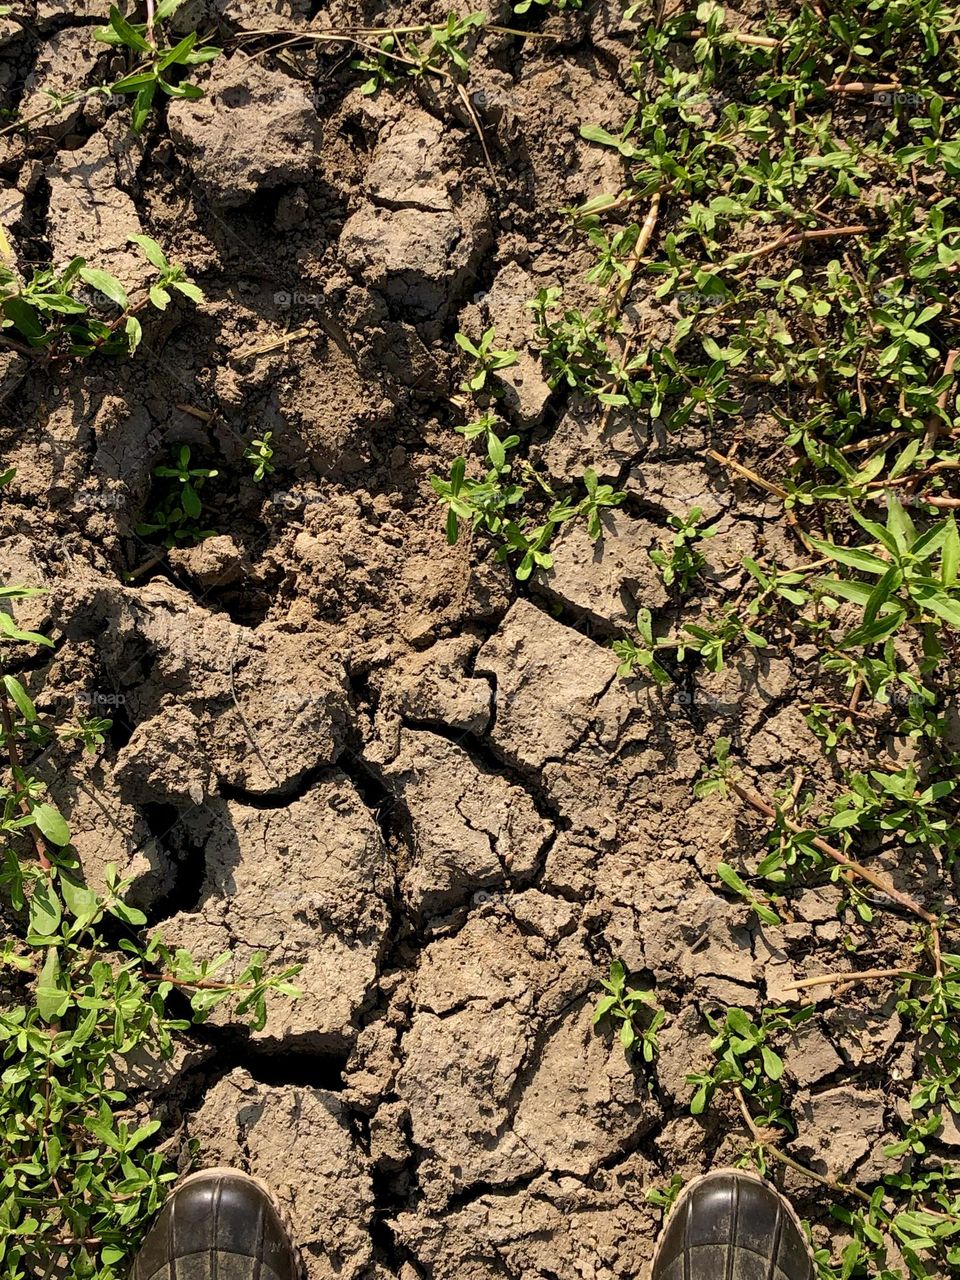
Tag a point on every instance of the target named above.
point(217, 1225)
point(731, 1225)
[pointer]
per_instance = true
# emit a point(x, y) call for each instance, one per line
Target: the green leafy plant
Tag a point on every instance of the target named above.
point(175, 520)
point(915, 579)
point(486, 358)
point(260, 454)
point(156, 62)
point(681, 566)
point(83, 310)
point(634, 1009)
point(764, 913)
point(748, 1062)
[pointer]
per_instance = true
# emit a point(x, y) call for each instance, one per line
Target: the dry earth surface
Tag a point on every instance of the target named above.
point(341, 740)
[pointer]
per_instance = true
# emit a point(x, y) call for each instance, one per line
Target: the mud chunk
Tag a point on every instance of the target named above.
point(584, 438)
point(810, 1056)
point(63, 65)
point(308, 884)
point(419, 238)
point(838, 1128)
point(47, 10)
point(678, 487)
point(554, 687)
point(214, 562)
point(261, 728)
point(610, 578)
point(555, 1226)
point(406, 167)
point(105, 828)
point(470, 829)
point(254, 128)
point(503, 1073)
point(582, 1103)
point(435, 686)
point(90, 216)
point(526, 390)
point(298, 1141)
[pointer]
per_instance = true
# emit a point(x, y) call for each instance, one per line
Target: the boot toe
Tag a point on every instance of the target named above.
point(218, 1225)
point(731, 1226)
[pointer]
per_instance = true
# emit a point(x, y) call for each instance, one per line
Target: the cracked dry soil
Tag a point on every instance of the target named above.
point(340, 740)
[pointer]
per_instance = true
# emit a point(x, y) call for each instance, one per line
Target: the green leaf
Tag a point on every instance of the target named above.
point(594, 133)
point(127, 34)
point(732, 880)
point(178, 53)
point(938, 602)
point(772, 1063)
point(106, 284)
point(51, 823)
point(52, 1000)
point(45, 910)
point(603, 1008)
point(152, 251)
point(21, 698)
point(134, 333)
point(80, 901)
point(141, 107)
point(854, 557)
point(951, 554)
point(189, 290)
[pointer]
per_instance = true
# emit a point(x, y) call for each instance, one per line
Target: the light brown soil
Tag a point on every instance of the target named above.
point(343, 741)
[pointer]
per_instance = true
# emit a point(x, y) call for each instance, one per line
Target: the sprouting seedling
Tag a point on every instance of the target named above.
point(260, 453)
point(175, 520)
point(600, 497)
point(715, 777)
point(640, 651)
point(763, 912)
point(684, 561)
point(635, 1010)
point(153, 60)
point(487, 359)
point(170, 275)
point(191, 479)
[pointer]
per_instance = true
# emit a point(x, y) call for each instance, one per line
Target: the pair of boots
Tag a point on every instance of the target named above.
point(223, 1225)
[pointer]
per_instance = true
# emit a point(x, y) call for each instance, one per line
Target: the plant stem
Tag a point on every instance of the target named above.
point(835, 979)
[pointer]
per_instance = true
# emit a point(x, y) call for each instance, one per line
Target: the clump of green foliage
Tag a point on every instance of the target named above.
point(83, 310)
point(156, 62)
point(636, 1011)
point(430, 49)
point(83, 989)
point(682, 564)
point(175, 520)
point(511, 502)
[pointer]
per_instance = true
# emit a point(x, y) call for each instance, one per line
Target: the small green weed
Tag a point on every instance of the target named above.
point(748, 1062)
point(681, 566)
point(260, 454)
point(761, 909)
point(634, 1009)
point(155, 62)
point(486, 359)
point(175, 521)
point(65, 314)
